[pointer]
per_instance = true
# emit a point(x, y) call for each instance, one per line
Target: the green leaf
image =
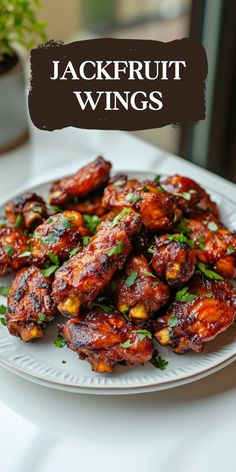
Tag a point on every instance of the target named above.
point(149, 274)
point(117, 218)
point(3, 309)
point(85, 240)
point(157, 361)
point(9, 249)
point(54, 209)
point(210, 274)
point(182, 226)
point(185, 195)
point(183, 295)
point(143, 333)
point(157, 179)
point(208, 295)
point(172, 321)
point(25, 254)
point(59, 341)
point(129, 281)
point(19, 221)
point(144, 189)
point(54, 258)
point(181, 238)
point(230, 250)
point(201, 243)
point(3, 321)
point(4, 291)
point(126, 344)
point(91, 222)
point(74, 251)
point(118, 249)
point(41, 318)
point(212, 226)
point(151, 250)
point(131, 197)
point(49, 270)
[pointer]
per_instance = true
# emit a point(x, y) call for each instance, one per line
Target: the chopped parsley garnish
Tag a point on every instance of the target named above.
point(118, 249)
point(155, 283)
point(142, 333)
point(212, 226)
point(85, 240)
point(230, 250)
point(3, 321)
point(183, 295)
point(3, 310)
point(181, 238)
point(157, 361)
point(91, 222)
point(151, 250)
point(74, 251)
point(19, 221)
point(59, 341)
point(210, 274)
point(182, 226)
point(185, 195)
point(104, 303)
point(131, 197)
point(172, 321)
point(4, 291)
point(144, 189)
point(3, 222)
point(9, 250)
point(54, 258)
point(65, 222)
point(49, 270)
point(37, 209)
point(157, 178)
point(126, 344)
point(126, 317)
point(208, 295)
point(41, 318)
point(25, 254)
point(201, 243)
point(129, 281)
point(160, 189)
point(149, 274)
point(50, 239)
point(117, 218)
point(53, 209)
point(118, 183)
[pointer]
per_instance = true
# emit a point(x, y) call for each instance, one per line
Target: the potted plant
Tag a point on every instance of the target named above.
point(19, 26)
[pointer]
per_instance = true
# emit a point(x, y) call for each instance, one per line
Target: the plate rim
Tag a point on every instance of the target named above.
point(151, 386)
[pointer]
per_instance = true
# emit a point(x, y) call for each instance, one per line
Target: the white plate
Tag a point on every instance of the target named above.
point(41, 362)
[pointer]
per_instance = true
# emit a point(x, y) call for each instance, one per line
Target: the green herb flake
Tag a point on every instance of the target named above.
point(142, 334)
point(74, 251)
point(25, 254)
point(208, 295)
point(3, 321)
point(157, 179)
point(155, 283)
point(160, 189)
point(212, 226)
point(126, 344)
point(157, 361)
point(59, 341)
point(201, 243)
point(3, 309)
point(181, 238)
point(182, 226)
point(185, 195)
point(129, 281)
point(118, 183)
point(144, 189)
point(131, 197)
point(151, 250)
point(53, 209)
point(49, 270)
point(118, 249)
point(41, 318)
point(85, 240)
point(91, 222)
point(210, 274)
point(149, 274)
point(54, 258)
point(19, 221)
point(183, 295)
point(117, 218)
point(230, 250)
point(4, 291)
point(9, 250)
point(172, 321)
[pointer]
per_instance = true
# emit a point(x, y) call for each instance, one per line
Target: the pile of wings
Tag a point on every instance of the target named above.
point(126, 262)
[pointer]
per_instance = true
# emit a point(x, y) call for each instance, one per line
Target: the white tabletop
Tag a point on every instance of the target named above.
point(190, 428)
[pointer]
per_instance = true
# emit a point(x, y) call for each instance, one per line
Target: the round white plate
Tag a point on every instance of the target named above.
point(60, 368)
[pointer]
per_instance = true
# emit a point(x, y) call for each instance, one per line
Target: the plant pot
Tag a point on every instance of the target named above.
point(13, 114)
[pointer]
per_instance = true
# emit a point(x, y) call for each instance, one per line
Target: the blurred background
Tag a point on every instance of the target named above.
point(210, 143)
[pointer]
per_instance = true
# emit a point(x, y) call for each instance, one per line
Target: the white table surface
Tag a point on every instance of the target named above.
point(190, 428)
